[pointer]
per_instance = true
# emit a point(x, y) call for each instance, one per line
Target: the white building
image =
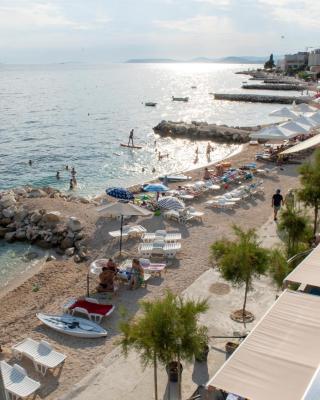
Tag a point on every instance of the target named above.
point(296, 61)
point(314, 62)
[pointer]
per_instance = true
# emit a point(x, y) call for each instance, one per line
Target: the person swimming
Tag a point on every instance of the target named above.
point(73, 171)
point(30, 162)
point(67, 167)
point(58, 175)
point(71, 184)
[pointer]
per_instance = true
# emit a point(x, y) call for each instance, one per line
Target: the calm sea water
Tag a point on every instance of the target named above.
point(78, 115)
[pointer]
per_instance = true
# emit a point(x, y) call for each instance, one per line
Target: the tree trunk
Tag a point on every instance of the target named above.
point(155, 377)
point(179, 377)
point(315, 224)
point(245, 300)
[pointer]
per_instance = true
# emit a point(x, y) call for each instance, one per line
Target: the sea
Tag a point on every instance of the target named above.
point(77, 115)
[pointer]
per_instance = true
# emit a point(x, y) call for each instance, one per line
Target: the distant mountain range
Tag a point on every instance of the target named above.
point(226, 60)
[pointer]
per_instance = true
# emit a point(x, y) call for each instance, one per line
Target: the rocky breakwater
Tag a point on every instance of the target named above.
point(46, 229)
point(203, 130)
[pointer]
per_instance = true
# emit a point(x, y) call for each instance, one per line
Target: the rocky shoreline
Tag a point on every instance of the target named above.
point(46, 229)
point(205, 131)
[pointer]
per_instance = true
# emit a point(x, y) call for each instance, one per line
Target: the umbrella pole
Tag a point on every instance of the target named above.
point(121, 229)
point(88, 283)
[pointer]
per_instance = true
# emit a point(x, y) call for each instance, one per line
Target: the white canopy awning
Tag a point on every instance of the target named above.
point(308, 271)
point(298, 129)
point(273, 132)
point(305, 121)
point(281, 354)
point(283, 112)
point(315, 116)
point(306, 144)
point(303, 108)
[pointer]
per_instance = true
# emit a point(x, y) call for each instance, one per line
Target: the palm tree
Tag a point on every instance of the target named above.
point(241, 260)
point(166, 331)
point(295, 226)
point(310, 191)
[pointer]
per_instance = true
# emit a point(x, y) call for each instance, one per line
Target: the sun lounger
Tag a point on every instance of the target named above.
point(189, 214)
point(90, 307)
point(158, 248)
point(168, 237)
point(16, 381)
point(41, 353)
point(148, 266)
point(128, 231)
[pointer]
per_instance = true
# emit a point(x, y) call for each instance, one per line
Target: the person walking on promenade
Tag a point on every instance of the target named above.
point(277, 202)
point(131, 138)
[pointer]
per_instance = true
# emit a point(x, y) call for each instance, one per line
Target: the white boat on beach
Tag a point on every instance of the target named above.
point(180, 98)
point(73, 326)
point(175, 178)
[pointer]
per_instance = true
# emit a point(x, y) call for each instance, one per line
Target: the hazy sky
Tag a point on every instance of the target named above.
point(42, 31)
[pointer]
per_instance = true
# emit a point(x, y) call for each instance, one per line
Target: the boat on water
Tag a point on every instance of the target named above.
point(150, 104)
point(175, 178)
point(180, 98)
point(72, 326)
point(193, 87)
point(130, 146)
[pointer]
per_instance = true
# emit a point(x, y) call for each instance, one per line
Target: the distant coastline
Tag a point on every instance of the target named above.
point(223, 60)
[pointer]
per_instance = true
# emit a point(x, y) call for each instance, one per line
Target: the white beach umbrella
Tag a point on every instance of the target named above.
point(303, 108)
point(305, 121)
point(273, 132)
point(122, 209)
point(315, 116)
point(283, 112)
point(294, 127)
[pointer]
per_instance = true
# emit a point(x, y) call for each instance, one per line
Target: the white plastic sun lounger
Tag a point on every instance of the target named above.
point(127, 231)
point(168, 237)
point(16, 381)
point(41, 353)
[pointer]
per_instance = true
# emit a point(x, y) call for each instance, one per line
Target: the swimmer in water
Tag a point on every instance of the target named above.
point(142, 169)
point(58, 175)
point(73, 171)
point(71, 185)
point(153, 170)
point(30, 162)
point(67, 167)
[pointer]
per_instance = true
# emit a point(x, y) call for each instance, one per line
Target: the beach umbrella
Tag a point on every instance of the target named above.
point(155, 187)
point(283, 112)
point(123, 209)
point(306, 121)
point(303, 108)
point(171, 203)
point(295, 127)
point(273, 132)
point(120, 193)
point(315, 116)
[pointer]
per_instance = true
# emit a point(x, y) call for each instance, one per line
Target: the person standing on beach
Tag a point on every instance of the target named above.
point(131, 138)
point(277, 202)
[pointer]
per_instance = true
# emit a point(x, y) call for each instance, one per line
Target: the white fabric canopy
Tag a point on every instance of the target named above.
point(308, 271)
point(305, 121)
point(313, 390)
point(295, 127)
point(306, 144)
point(281, 354)
point(283, 112)
point(303, 108)
point(315, 116)
point(273, 133)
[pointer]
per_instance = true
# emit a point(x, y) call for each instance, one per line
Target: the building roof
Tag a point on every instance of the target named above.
point(308, 271)
point(280, 357)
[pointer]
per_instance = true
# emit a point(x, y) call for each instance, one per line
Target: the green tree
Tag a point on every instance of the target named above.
point(309, 194)
point(167, 331)
point(294, 225)
point(241, 260)
point(279, 267)
point(270, 63)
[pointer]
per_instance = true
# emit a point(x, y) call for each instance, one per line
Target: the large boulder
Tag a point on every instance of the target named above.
point(66, 243)
point(35, 217)
point(7, 200)
point(21, 234)
point(35, 193)
point(9, 212)
point(10, 236)
point(3, 231)
point(74, 224)
point(51, 218)
point(20, 192)
point(69, 252)
point(21, 214)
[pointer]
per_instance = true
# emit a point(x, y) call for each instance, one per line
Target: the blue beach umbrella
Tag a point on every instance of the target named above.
point(120, 193)
point(155, 187)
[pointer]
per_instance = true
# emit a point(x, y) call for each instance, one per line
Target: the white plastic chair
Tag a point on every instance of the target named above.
point(41, 353)
point(17, 384)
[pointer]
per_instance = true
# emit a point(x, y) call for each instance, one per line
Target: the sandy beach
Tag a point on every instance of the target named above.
point(60, 280)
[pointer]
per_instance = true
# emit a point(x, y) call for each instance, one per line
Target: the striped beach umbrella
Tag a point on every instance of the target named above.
point(171, 203)
point(155, 187)
point(120, 193)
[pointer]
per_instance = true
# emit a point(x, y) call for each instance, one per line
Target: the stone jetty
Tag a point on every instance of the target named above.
point(46, 229)
point(260, 98)
point(205, 131)
point(274, 86)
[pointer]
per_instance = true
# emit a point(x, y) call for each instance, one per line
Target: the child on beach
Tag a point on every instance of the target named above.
point(137, 274)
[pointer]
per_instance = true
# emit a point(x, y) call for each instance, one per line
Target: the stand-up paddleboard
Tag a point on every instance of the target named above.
point(130, 146)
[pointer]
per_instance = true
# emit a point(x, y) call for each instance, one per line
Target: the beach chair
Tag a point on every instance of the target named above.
point(90, 307)
point(40, 353)
point(167, 237)
point(16, 382)
point(172, 215)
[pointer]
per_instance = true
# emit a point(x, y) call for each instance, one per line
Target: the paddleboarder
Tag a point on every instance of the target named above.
point(131, 138)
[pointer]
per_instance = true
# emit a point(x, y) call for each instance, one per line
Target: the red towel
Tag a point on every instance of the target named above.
point(92, 308)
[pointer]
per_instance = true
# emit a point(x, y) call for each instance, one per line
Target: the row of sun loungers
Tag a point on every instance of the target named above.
point(17, 384)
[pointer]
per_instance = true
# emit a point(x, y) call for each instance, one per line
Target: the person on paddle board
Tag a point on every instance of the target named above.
point(131, 138)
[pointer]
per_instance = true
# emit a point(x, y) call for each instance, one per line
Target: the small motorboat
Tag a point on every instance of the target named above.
point(180, 98)
point(73, 326)
point(130, 146)
point(175, 178)
point(193, 87)
point(150, 104)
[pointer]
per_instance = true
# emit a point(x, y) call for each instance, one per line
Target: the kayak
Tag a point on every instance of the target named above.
point(176, 178)
point(130, 146)
point(73, 326)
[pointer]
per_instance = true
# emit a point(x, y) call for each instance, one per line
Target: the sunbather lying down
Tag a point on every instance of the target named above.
point(106, 280)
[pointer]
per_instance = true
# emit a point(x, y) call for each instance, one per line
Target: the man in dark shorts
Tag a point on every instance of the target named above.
point(277, 202)
point(131, 137)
